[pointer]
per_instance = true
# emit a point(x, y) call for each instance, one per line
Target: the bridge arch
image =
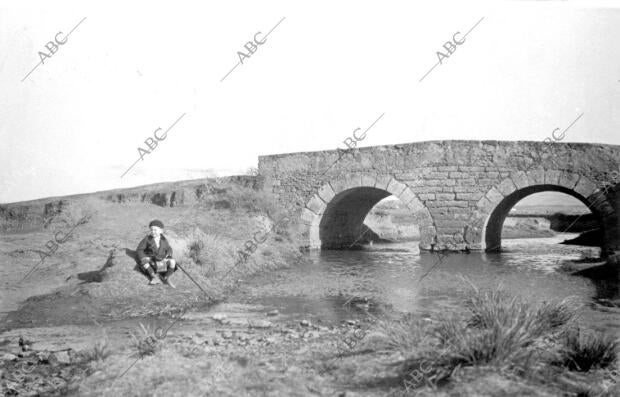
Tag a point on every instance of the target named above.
point(333, 217)
point(495, 205)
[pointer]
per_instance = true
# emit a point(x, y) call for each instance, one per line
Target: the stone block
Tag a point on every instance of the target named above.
point(447, 168)
point(426, 196)
point(465, 182)
point(459, 175)
point(406, 196)
point(368, 180)
point(440, 182)
point(382, 182)
point(441, 224)
point(507, 187)
point(353, 180)
point(552, 177)
point(469, 196)
point(395, 187)
point(425, 189)
point(494, 196)
point(316, 205)
point(307, 217)
point(485, 204)
point(338, 185)
point(520, 180)
point(585, 187)
point(326, 193)
point(444, 196)
point(568, 180)
point(465, 189)
point(466, 168)
point(447, 203)
point(536, 177)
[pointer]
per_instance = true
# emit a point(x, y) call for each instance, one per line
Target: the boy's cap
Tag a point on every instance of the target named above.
point(157, 223)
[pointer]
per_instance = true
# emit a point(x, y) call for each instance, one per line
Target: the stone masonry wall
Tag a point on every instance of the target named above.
point(460, 183)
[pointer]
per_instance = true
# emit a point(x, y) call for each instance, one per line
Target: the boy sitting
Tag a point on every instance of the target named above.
point(155, 254)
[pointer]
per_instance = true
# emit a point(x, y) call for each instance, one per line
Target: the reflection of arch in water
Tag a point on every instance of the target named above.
point(499, 200)
point(334, 216)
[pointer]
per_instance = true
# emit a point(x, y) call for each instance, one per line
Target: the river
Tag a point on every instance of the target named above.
point(397, 278)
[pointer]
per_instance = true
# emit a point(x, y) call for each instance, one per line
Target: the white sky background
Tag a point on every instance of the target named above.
point(75, 124)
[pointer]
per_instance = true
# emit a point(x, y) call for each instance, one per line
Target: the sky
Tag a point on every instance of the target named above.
point(74, 125)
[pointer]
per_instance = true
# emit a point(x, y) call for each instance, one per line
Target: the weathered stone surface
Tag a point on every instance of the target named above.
point(552, 177)
point(520, 180)
point(395, 187)
point(406, 196)
point(536, 177)
point(494, 195)
point(568, 180)
point(316, 205)
point(382, 181)
point(469, 196)
point(585, 187)
point(307, 216)
point(326, 193)
point(506, 187)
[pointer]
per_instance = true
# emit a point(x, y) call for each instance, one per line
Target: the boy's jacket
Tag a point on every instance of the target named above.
point(148, 249)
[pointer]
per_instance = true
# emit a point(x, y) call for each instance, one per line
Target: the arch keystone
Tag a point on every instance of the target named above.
point(552, 177)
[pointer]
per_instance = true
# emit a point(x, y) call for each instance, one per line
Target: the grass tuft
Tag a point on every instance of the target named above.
point(586, 350)
point(144, 342)
point(498, 330)
point(99, 352)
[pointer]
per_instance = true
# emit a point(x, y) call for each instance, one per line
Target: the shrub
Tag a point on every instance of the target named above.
point(493, 307)
point(406, 334)
point(99, 352)
point(74, 212)
point(211, 252)
point(256, 201)
point(582, 351)
point(145, 342)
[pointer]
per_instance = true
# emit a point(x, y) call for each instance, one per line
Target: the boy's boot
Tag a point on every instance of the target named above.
point(167, 277)
point(152, 275)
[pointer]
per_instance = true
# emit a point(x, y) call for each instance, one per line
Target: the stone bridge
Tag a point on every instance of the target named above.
point(459, 192)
